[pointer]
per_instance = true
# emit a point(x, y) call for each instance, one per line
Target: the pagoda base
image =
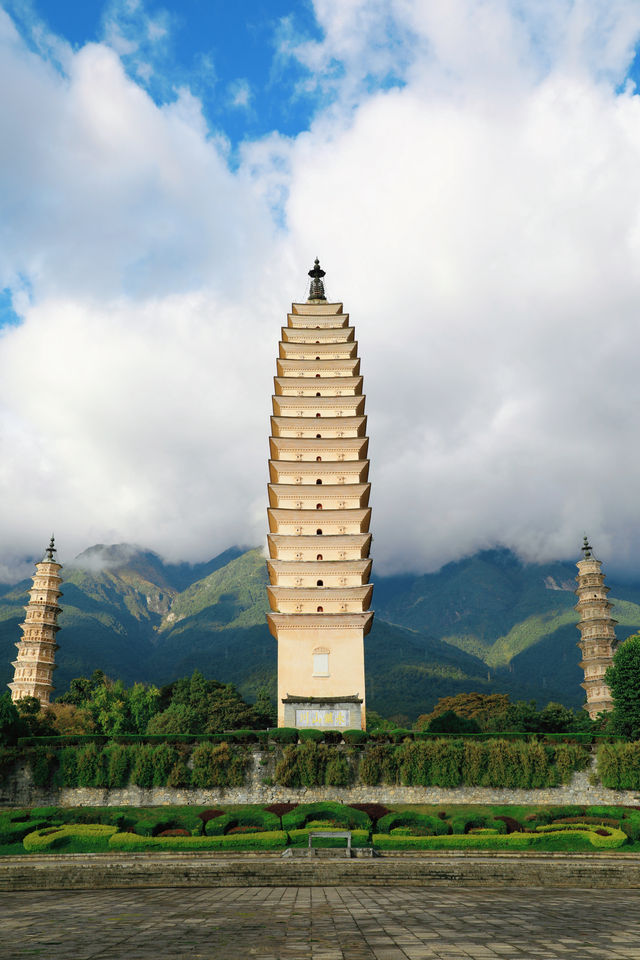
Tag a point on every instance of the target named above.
point(323, 713)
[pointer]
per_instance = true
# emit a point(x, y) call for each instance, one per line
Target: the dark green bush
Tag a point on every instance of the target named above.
point(143, 767)
point(43, 764)
point(283, 734)
point(91, 767)
point(287, 773)
point(218, 765)
point(67, 773)
point(347, 818)
point(338, 771)
point(312, 761)
point(332, 737)
point(165, 756)
point(259, 820)
point(118, 760)
point(400, 734)
point(179, 775)
point(378, 764)
point(619, 765)
point(316, 736)
point(355, 737)
point(420, 823)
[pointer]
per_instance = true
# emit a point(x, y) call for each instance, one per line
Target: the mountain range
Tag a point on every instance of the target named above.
point(488, 623)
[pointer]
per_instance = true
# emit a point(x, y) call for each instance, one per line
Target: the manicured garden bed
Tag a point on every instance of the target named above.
point(400, 827)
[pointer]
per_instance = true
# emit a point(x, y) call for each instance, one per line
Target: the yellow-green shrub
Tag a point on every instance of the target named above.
point(239, 841)
point(77, 837)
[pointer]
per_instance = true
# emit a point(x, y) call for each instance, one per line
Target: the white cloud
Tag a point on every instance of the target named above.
point(481, 221)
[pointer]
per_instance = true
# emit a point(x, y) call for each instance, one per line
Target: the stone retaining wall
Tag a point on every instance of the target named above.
point(84, 871)
point(18, 790)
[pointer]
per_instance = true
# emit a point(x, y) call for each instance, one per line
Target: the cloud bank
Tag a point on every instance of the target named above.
point(471, 182)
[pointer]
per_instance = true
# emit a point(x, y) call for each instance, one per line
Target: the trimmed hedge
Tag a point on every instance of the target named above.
point(238, 841)
point(81, 837)
point(556, 840)
point(421, 824)
point(260, 820)
point(347, 817)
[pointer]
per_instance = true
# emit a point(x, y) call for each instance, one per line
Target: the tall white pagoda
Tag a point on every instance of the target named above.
point(33, 669)
point(319, 517)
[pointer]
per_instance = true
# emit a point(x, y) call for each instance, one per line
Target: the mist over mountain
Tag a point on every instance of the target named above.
point(489, 623)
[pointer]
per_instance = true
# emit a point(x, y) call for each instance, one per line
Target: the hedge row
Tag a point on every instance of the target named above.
point(559, 839)
point(619, 765)
point(452, 763)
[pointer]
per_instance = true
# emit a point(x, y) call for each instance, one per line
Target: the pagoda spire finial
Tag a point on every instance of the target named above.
point(586, 547)
point(51, 549)
point(316, 290)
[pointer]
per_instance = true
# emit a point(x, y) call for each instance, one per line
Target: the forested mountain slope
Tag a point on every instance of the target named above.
point(486, 623)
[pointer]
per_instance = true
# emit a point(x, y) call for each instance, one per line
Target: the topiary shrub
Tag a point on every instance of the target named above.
point(316, 736)
point(420, 824)
point(345, 817)
point(257, 820)
point(77, 837)
point(355, 737)
point(283, 734)
point(279, 810)
point(332, 737)
point(375, 811)
point(247, 841)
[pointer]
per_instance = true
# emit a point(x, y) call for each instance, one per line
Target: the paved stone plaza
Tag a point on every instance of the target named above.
point(323, 923)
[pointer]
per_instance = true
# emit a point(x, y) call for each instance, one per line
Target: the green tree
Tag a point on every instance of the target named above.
point(450, 722)
point(11, 725)
point(143, 705)
point(264, 709)
point(623, 680)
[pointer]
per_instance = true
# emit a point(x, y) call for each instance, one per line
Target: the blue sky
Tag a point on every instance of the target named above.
point(227, 53)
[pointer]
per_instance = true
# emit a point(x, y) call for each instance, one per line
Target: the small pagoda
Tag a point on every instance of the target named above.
point(33, 670)
point(597, 631)
point(319, 517)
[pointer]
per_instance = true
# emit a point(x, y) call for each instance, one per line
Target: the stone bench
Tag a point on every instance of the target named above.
point(340, 834)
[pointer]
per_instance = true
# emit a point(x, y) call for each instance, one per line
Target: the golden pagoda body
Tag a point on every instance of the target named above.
point(597, 631)
point(33, 669)
point(319, 518)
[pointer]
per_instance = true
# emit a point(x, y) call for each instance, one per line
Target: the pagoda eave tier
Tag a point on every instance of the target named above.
point(318, 407)
point(295, 496)
point(329, 350)
point(327, 472)
point(314, 450)
point(320, 595)
point(304, 335)
point(279, 622)
point(348, 547)
point(318, 369)
point(330, 428)
point(331, 572)
point(318, 386)
point(326, 522)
